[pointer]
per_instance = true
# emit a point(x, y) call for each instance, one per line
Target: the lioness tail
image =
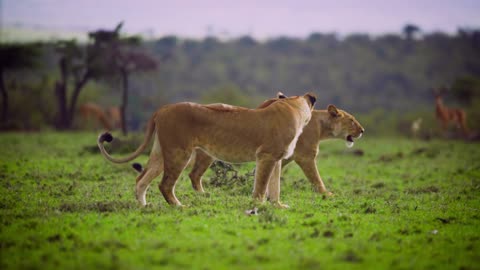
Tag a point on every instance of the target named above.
point(108, 138)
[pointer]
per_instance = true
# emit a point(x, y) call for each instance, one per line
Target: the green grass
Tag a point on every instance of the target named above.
point(398, 204)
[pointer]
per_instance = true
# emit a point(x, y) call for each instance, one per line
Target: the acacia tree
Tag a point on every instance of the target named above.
point(15, 57)
point(131, 62)
point(73, 62)
point(409, 30)
point(121, 56)
point(78, 65)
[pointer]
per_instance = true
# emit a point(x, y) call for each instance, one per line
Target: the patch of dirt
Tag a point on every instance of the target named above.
point(370, 210)
point(428, 152)
point(378, 185)
point(352, 257)
point(54, 238)
point(375, 237)
point(445, 220)
point(358, 152)
point(114, 244)
point(96, 207)
point(422, 190)
point(328, 234)
point(418, 151)
point(391, 157)
point(315, 233)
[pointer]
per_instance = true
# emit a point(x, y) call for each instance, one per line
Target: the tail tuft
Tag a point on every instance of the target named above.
point(106, 137)
point(137, 167)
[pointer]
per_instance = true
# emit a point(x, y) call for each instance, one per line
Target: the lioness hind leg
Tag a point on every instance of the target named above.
point(153, 169)
point(174, 165)
point(202, 163)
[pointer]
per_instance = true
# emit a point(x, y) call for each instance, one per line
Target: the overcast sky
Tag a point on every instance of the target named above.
point(259, 18)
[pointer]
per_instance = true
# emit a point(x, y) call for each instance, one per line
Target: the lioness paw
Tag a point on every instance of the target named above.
point(281, 205)
point(327, 195)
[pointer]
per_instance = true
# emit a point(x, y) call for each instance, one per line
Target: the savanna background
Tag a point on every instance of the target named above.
point(404, 198)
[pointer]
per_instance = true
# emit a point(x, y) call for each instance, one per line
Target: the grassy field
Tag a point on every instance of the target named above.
point(398, 204)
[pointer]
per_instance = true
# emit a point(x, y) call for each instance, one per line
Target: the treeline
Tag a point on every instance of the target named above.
point(385, 76)
point(359, 72)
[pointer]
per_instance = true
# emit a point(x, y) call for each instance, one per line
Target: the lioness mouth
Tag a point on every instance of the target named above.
point(349, 141)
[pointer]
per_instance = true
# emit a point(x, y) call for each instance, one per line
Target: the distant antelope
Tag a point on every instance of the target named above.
point(95, 115)
point(446, 115)
point(416, 125)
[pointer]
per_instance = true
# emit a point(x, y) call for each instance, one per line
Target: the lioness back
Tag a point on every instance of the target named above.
point(226, 132)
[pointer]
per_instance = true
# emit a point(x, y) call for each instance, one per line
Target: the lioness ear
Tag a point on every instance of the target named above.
point(311, 98)
point(281, 95)
point(332, 110)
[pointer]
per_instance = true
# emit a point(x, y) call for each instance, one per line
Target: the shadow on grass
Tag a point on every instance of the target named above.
point(97, 207)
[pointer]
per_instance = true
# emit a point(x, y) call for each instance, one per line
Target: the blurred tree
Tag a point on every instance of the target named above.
point(410, 30)
point(72, 62)
point(84, 63)
point(15, 57)
point(471, 35)
point(165, 47)
point(131, 62)
point(283, 44)
point(106, 55)
point(246, 41)
point(121, 56)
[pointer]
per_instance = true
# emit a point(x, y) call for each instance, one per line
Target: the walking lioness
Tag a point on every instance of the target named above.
point(229, 133)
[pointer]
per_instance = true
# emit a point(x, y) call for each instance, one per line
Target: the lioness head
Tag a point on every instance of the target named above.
point(344, 125)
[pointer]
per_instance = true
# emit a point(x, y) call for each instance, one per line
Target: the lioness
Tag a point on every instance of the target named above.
point(229, 133)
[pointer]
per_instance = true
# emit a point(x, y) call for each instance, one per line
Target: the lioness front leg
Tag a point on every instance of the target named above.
point(273, 193)
point(202, 163)
point(265, 166)
point(309, 168)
